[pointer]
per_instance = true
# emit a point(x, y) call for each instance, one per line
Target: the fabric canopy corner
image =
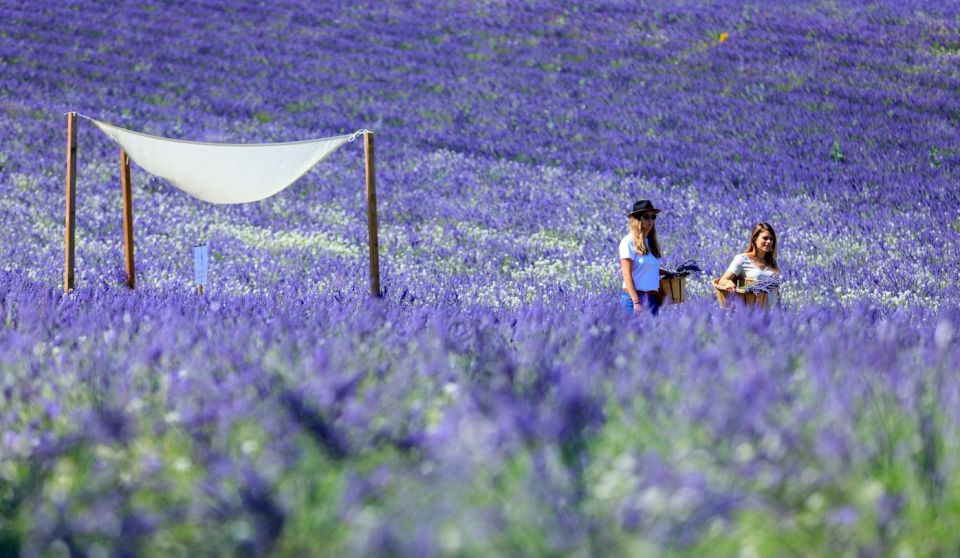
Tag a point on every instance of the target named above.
point(224, 173)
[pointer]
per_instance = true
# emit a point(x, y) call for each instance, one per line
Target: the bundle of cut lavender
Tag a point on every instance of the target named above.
point(763, 285)
point(682, 270)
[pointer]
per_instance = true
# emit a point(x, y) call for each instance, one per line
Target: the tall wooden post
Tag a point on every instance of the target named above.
point(71, 210)
point(372, 214)
point(127, 215)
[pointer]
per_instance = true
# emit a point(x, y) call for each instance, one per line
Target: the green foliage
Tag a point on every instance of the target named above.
point(313, 491)
point(156, 100)
point(298, 107)
point(936, 159)
point(946, 48)
point(835, 152)
point(263, 117)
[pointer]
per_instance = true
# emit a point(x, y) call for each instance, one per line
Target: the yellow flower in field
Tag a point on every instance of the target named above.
point(723, 37)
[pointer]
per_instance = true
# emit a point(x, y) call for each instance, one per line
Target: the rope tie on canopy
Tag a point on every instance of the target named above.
point(80, 114)
point(359, 132)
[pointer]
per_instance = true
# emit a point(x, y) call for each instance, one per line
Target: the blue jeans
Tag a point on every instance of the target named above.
point(649, 301)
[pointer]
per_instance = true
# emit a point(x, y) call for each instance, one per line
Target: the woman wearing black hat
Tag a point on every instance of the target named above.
point(640, 260)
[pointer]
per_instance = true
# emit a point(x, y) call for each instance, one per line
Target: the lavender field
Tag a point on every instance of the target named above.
point(494, 401)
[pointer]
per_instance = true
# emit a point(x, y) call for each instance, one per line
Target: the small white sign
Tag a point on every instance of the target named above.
point(200, 264)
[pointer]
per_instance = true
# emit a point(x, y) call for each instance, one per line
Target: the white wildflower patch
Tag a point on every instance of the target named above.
point(546, 239)
point(279, 240)
point(23, 182)
point(330, 214)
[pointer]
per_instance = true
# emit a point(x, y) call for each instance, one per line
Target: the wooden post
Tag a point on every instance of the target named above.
point(372, 214)
point(71, 209)
point(127, 215)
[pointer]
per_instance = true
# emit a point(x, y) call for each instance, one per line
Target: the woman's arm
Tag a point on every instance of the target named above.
point(734, 270)
point(626, 269)
point(726, 281)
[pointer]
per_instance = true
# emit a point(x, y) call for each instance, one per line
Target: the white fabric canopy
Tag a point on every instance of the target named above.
point(224, 172)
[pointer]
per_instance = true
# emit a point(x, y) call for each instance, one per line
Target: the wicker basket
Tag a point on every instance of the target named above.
point(674, 290)
point(725, 297)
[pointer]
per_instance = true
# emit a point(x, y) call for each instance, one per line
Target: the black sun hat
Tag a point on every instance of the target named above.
point(642, 206)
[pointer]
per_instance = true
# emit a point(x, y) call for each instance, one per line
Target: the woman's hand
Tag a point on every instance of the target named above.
point(726, 284)
point(638, 308)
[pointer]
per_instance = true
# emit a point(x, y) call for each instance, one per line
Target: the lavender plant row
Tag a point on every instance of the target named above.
point(493, 402)
point(159, 423)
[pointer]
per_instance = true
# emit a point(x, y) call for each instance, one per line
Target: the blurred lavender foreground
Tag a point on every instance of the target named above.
point(493, 402)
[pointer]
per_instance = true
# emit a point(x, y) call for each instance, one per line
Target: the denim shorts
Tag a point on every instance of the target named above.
point(649, 301)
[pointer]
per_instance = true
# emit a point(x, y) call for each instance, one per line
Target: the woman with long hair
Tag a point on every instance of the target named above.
point(759, 261)
point(640, 260)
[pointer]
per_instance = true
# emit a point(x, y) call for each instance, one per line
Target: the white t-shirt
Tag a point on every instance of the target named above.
point(646, 269)
point(744, 268)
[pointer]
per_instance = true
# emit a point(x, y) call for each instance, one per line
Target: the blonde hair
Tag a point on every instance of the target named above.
point(771, 258)
point(636, 232)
